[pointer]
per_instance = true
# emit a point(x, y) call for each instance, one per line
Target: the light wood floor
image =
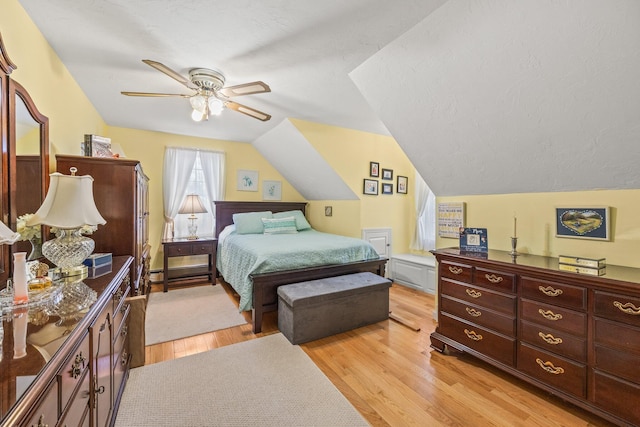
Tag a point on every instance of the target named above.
point(389, 373)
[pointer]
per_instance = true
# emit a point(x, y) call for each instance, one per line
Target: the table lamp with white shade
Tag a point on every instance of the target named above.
point(68, 206)
point(192, 205)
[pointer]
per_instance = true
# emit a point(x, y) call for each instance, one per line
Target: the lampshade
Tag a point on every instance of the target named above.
point(192, 205)
point(69, 203)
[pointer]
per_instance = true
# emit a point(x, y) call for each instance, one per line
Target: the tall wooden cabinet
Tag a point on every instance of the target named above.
point(121, 192)
point(575, 336)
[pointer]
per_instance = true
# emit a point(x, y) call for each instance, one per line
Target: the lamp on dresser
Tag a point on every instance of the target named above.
point(68, 206)
point(192, 205)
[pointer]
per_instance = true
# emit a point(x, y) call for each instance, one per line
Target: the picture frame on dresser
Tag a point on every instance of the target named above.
point(586, 222)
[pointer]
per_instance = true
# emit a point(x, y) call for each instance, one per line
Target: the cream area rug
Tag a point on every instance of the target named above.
point(261, 382)
point(185, 312)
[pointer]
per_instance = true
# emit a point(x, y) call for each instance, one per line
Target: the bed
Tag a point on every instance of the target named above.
point(264, 297)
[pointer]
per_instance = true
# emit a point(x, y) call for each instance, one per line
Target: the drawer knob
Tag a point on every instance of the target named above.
point(41, 422)
point(548, 367)
point(78, 365)
point(455, 270)
point(473, 312)
point(473, 293)
point(627, 308)
point(549, 315)
point(473, 335)
point(550, 339)
point(550, 291)
point(123, 332)
point(493, 278)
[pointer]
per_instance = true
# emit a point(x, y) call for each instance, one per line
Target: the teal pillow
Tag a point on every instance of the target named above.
point(279, 225)
point(301, 221)
point(250, 222)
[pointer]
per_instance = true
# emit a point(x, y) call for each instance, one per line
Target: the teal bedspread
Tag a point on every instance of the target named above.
point(239, 256)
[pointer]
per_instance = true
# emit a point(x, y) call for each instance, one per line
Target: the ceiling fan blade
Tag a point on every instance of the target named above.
point(248, 111)
point(245, 89)
point(157, 95)
point(169, 72)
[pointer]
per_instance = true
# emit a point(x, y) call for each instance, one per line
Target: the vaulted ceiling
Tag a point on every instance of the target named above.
point(485, 97)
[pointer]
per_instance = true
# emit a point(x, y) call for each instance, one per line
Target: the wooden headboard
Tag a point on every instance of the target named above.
point(225, 210)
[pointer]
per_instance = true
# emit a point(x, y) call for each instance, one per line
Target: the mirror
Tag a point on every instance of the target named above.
point(28, 132)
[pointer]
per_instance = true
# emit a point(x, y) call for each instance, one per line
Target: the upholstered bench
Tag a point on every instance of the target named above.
point(316, 309)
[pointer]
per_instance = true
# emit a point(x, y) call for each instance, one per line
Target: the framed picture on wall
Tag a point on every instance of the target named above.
point(271, 190)
point(387, 188)
point(402, 185)
point(370, 187)
point(583, 222)
point(247, 180)
point(387, 174)
point(374, 169)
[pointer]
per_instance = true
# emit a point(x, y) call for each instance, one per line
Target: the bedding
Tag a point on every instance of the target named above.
point(241, 255)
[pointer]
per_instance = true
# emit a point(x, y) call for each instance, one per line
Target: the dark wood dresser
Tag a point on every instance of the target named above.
point(575, 336)
point(120, 190)
point(76, 363)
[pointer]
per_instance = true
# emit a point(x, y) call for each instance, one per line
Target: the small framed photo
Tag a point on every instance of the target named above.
point(271, 190)
point(374, 169)
point(402, 185)
point(387, 188)
point(387, 174)
point(583, 222)
point(370, 187)
point(328, 210)
point(247, 180)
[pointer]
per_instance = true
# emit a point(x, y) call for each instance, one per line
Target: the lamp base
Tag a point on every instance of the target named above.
point(68, 250)
point(193, 228)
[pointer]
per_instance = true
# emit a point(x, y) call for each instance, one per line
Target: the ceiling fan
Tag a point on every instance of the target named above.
point(210, 96)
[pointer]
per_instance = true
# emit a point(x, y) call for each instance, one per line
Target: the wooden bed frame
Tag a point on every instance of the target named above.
point(265, 296)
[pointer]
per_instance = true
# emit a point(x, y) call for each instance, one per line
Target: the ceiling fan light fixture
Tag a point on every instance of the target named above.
point(198, 103)
point(215, 106)
point(197, 116)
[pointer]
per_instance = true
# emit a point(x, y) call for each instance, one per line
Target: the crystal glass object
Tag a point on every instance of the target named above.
point(69, 249)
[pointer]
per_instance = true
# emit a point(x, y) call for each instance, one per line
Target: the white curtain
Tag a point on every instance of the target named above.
point(213, 169)
point(178, 164)
point(425, 235)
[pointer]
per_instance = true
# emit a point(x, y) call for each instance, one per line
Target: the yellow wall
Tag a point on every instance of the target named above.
point(536, 223)
point(44, 76)
point(349, 152)
point(148, 147)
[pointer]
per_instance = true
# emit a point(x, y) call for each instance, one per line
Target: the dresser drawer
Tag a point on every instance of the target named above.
point(120, 334)
point(455, 271)
point(201, 248)
point(46, 412)
point(500, 281)
point(560, 343)
point(79, 405)
point(616, 334)
point(559, 372)
point(496, 301)
point(574, 297)
point(482, 340)
point(554, 317)
point(617, 307)
point(623, 364)
point(70, 375)
point(617, 397)
point(479, 315)
point(179, 250)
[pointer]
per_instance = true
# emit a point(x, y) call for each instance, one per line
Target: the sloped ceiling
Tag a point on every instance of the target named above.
point(492, 97)
point(301, 165)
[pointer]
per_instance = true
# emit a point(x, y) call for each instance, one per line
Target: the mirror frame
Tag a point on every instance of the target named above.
point(16, 90)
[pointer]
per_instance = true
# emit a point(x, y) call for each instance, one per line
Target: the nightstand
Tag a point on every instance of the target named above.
point(186, 247)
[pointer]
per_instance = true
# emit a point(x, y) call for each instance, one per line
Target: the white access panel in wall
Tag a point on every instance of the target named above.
point(415, 271)
point(380, 239)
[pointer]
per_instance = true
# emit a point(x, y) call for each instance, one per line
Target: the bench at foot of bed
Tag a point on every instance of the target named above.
point(319, 308)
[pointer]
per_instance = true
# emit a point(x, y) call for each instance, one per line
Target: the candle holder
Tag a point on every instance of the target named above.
point(514, 244)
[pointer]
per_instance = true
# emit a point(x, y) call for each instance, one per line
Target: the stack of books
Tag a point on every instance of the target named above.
point(98, 264)
point(593, 267)
point(96, 146)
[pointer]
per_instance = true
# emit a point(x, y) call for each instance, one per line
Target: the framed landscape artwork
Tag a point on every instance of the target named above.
point(583, 222)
